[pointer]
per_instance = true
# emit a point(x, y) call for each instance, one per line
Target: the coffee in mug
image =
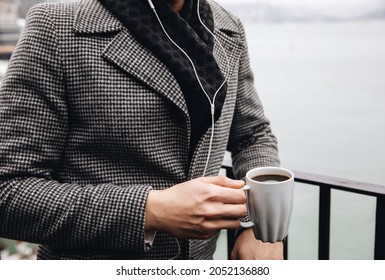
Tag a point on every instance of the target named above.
point(270, 178)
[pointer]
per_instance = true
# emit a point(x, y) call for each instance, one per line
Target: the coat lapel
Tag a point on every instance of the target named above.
point(130, 56)
point(127, 53)
point(227, 36)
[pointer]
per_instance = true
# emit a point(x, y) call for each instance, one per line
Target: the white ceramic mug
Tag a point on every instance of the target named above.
point(270, 202)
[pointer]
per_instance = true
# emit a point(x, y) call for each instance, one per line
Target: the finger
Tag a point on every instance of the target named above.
point(234, 211)
point(227, 195)
point(216, 225)
point(224, 181)
point(225, 211)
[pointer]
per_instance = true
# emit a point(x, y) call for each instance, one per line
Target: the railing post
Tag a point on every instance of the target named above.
point(230, 242)
point(286, 248)
point(324, 223)
point(230, 232)
point(379, 243)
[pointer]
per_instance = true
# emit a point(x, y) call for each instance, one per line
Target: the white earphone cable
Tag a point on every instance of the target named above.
point(215, 95)
point(219, 43)
point(212, 103)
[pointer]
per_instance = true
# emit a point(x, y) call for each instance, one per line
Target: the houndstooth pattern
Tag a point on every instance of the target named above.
point(88, 129)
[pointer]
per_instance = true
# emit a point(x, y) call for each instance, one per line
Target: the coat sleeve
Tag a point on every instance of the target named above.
point(251, 142)
point(33, 130)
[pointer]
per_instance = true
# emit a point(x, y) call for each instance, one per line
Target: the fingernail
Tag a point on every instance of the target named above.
point(239, 182)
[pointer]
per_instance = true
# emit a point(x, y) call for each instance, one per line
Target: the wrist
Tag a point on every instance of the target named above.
point(241, 230)
point(152, 208)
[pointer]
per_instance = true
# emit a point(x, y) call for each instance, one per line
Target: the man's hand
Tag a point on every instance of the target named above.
point(248, 248)
point(197, 209)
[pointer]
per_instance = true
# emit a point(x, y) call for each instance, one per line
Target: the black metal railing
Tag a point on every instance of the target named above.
point(326, 184)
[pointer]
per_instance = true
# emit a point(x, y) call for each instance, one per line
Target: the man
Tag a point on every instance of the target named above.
point(107, 114)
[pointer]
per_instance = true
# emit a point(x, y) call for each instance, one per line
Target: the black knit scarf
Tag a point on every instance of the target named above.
point(185, 29)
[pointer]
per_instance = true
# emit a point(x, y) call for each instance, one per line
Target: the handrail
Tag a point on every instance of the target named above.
point(326, 184)
point(340, 184)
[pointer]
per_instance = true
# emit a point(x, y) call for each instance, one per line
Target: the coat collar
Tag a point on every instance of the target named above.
point(92, 17)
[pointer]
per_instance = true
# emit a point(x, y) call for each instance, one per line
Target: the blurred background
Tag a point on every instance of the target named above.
point(319, 70)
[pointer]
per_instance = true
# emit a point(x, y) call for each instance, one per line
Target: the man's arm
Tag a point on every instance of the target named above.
point(34, 126)
point(248, 248)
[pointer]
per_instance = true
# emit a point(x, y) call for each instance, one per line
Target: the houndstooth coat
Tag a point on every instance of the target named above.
point(87, 130)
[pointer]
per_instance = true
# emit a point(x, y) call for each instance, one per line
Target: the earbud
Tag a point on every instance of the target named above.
point(151, 4)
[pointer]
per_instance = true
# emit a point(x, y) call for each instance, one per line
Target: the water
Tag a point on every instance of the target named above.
point(323, 87)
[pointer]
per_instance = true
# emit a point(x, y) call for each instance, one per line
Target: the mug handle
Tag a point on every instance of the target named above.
point(249, 224)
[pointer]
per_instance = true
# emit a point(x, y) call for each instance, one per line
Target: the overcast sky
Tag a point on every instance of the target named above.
point(334, 8)
point(309, 2)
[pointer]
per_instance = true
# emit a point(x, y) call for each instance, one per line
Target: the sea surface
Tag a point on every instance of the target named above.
point(323, 88)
